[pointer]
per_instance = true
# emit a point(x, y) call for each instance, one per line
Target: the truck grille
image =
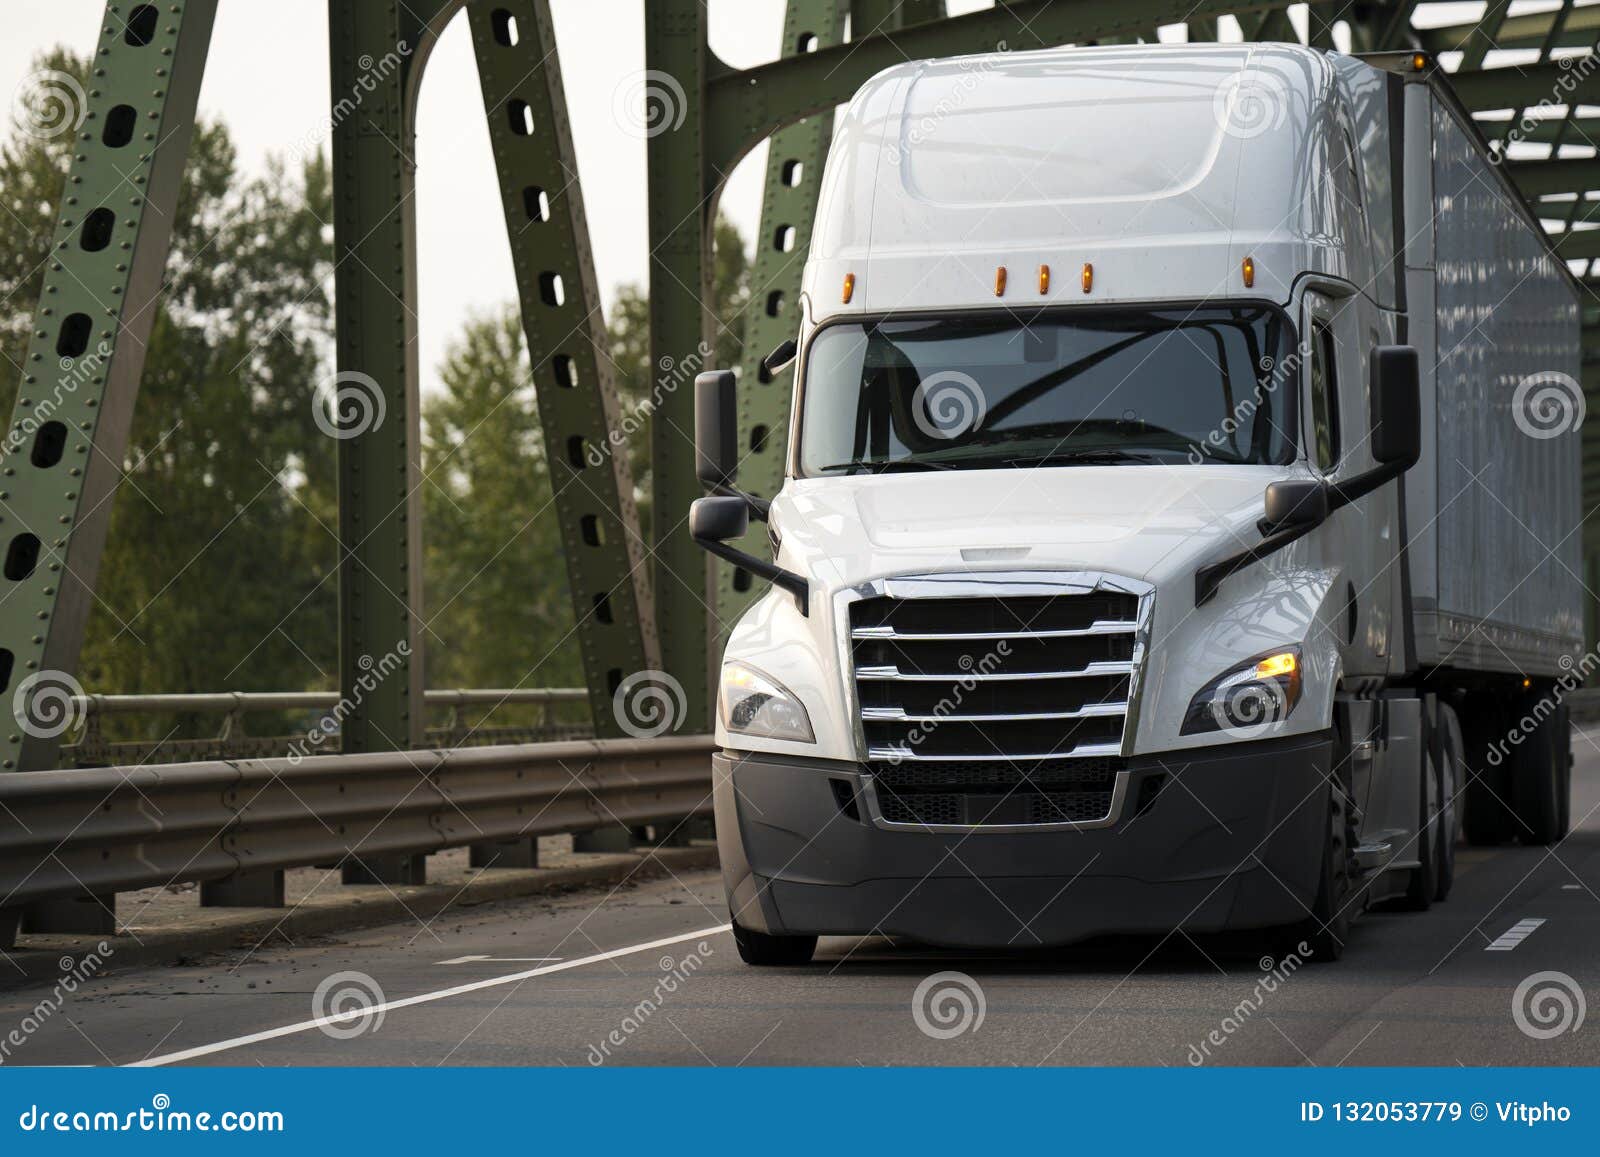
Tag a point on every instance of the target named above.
point(995, 710)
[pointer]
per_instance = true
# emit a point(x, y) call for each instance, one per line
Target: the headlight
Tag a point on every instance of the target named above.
point(1246, 700)
point(751, 703)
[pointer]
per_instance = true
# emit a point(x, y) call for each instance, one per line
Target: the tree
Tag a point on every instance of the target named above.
point(222, 528)
point(498, 610)
point(630, 344)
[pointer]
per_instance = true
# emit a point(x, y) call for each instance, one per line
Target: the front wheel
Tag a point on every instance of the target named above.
point(762, 949)
point(1327, 928)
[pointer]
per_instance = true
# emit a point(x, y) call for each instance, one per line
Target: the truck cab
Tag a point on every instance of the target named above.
point(1092, 609)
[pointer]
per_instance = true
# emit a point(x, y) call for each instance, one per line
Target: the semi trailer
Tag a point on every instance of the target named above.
point(1179, 520)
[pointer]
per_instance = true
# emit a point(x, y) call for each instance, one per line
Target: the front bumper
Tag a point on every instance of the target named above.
point(1234, 839)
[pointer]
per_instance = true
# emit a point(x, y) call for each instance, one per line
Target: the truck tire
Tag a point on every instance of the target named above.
point(1450, 788)
point(1424, 880)
point(1327, 929)
point(1490, 817)
point(763, 949)
point(1540, 778)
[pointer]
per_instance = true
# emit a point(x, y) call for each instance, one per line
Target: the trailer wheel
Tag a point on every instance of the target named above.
point(1490, 817)
point(1540, 776)
point(762, 949)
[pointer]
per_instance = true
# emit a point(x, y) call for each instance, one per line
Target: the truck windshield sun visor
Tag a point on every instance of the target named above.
point(1180, 385)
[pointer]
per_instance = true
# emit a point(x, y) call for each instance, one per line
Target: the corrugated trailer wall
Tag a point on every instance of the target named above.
point(1507, 552)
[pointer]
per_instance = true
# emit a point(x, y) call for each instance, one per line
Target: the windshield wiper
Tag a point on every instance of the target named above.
point(886, 466)
point(1099, 456)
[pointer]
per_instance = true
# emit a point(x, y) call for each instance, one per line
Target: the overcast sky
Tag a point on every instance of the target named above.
point(267, 76)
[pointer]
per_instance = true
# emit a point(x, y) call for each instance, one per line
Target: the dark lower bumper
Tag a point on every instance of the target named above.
point(1233, 840)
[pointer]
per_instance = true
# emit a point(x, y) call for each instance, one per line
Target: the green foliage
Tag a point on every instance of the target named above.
point(216, 573)
point(496, 600)
point(219, 570)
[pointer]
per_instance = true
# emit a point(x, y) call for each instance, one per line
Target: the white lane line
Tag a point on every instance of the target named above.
point(501, 960)
point(424, 998)
point(1515, 935)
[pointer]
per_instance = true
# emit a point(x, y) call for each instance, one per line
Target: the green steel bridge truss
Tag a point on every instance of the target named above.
point(639, 605)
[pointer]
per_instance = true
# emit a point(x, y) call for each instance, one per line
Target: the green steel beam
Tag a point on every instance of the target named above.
point(377, 49)
point(1477, 45)
point(69, 430)
point(573, 375)
point(1547, 130)
point(1525, 86)
point(795, 158)
point(1531, 30)
point(1538, 178)
point(744, 107)
point(1578, 244)
point(680, 213)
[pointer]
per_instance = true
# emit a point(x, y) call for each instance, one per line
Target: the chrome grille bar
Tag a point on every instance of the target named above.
point(974, 734)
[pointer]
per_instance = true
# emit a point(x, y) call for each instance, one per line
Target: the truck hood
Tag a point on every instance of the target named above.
point(1127, 520)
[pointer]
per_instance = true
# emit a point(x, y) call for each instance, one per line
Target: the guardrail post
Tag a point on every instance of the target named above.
point(80, 914)
point(244, 890)
point(612, 839)
point(10, 923)
point(519, 853)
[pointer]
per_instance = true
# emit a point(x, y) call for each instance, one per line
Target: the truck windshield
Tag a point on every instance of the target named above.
point(1176, 385)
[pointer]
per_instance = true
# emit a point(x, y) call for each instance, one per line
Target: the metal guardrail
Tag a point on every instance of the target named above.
point(91, 747)
point(118, 829)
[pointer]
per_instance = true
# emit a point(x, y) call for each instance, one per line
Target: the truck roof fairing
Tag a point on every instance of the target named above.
point(1162, 166)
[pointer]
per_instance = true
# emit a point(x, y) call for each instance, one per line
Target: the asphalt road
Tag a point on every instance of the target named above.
point(649, 975)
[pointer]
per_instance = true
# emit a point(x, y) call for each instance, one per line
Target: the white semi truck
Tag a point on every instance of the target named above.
point(1179, 527)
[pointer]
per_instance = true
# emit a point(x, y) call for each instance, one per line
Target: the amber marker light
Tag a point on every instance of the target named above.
point(1249, 272)
point(1000, 281)
point(1088, 277)
point(849, 288)
point(1044, 279)
point(1418, 62)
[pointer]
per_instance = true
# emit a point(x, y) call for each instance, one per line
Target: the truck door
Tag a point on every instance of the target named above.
point(1360, 538)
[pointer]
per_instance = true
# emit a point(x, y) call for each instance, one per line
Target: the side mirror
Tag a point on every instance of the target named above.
point(718, 519)
point(1294, 503)
point(1396, 406)
point(716, 429)
point(781, 355)
point(713, 521)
